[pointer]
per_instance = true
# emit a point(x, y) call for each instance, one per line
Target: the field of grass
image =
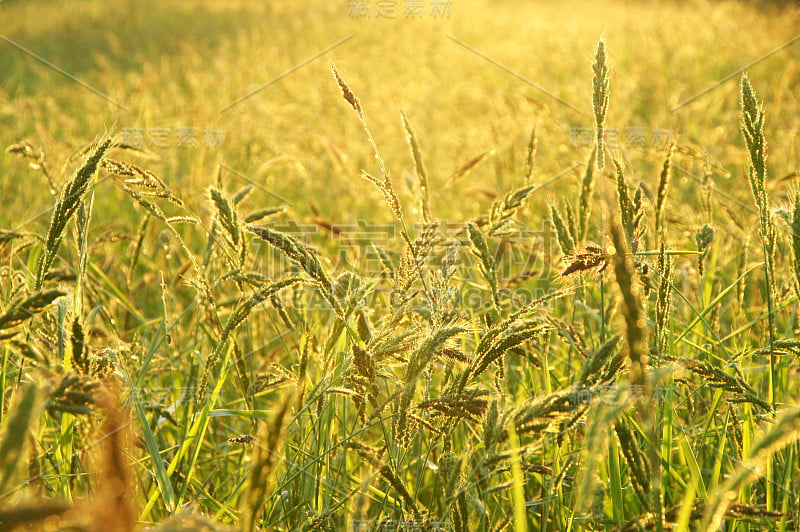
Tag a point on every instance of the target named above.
point(509, 265)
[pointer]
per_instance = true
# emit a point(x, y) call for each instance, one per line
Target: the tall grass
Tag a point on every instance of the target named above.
point(215, 366)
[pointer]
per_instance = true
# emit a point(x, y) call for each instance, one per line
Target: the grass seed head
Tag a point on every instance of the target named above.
point(600, 93)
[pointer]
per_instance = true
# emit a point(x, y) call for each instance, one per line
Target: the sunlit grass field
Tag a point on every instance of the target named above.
point(430, 266)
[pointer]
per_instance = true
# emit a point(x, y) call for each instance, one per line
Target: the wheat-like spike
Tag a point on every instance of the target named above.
point(156, 212)
point(417, 362)
point(228, 217)
point(450, 470)
point(303, 257)
point(389, 195)
point(585, 257)
point(502, 337)
point(80, 350)
point(412, 266)
point(22, 310)
point(714, 377)
point(459, 514)
point(362, 376)
point(530, 160)
point(541, 412)
point(387, 473)
point(182, 219)
point(443, 293)
point(72, 393)
point(241, 194)
point(401, 406)
point(9, 236)
point(795, 240)
point(255, 216)
point(585, 201)
point(504, 209)
point(66, 206)
point(149, 206)
point(347, 93)
point(370, 454)
point(492, 427)
point(422, 175)
point(565, 240)
point(426, 350)
point(481, 249)
point(663, 186)
point(707, 186)
point(273, 376)
point(36, 159)
point(631, 309)
point(388, 345)
point(469, 166)
point(422, 245)
point(753, 132)
point(631, 210)
point(467, 404)
point(449, 261)
point(663, 310)
point(637, 463)
point(782, 347)
point(277, 304)
point(572, 222)
point(425, 424)
point(384, 258)
point(145, 181)
point(600, 92)
point(639, 226)
point(703, 239)
point(384, 183)
point(624, 200)
point(592, 369)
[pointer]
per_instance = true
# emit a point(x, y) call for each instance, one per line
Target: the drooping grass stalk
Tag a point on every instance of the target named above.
point(67, 204)
point(384, 183)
